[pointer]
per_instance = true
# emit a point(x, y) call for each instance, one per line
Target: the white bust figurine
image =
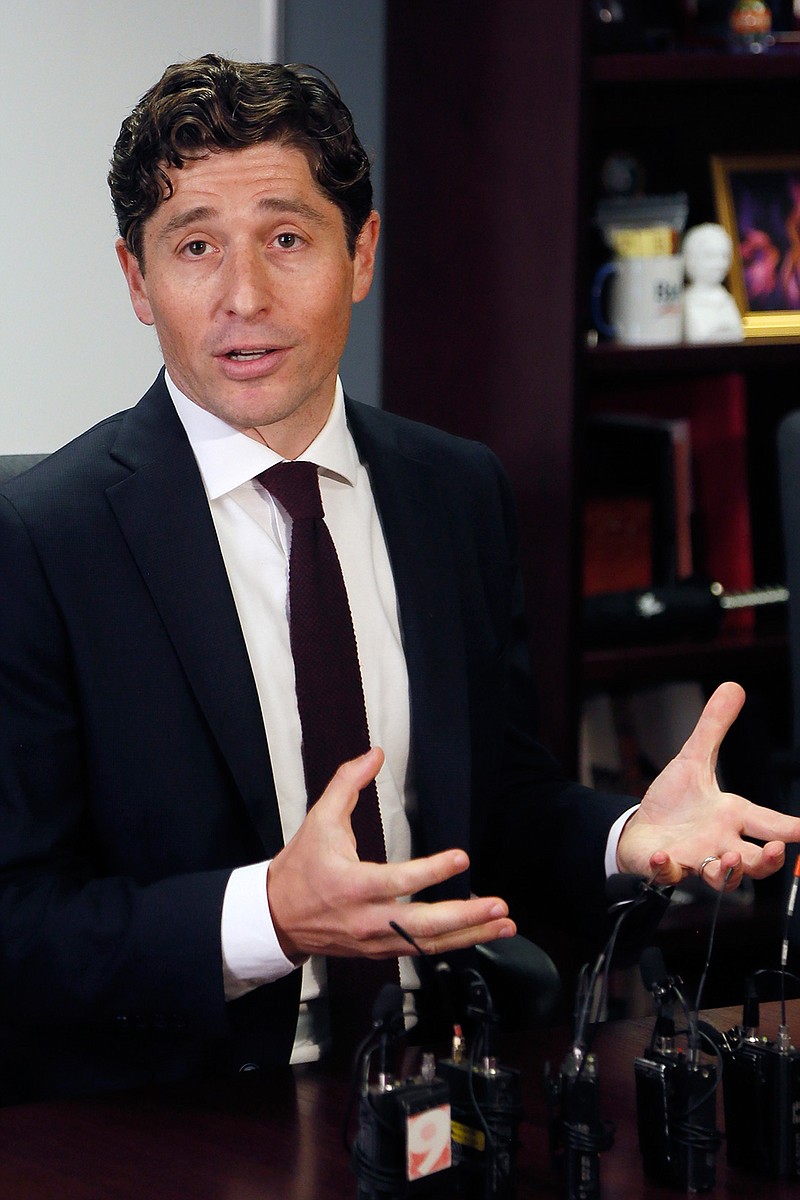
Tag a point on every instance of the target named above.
point(710, 311)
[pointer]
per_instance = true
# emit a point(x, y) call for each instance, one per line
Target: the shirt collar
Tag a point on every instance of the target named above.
point(228, 458)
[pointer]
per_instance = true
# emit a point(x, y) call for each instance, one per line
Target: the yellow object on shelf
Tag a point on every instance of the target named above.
point(645, 242)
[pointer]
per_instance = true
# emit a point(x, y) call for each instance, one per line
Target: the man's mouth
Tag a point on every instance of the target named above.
point(246, 355)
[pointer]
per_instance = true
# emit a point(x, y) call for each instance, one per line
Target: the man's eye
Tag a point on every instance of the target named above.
point(196, 249)
point(287, 241)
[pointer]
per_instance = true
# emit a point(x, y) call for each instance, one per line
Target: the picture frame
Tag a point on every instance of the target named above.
point(757, 199)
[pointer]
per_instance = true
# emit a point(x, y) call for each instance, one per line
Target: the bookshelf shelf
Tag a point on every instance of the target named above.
point(733, 654)
point(607, 361)
point(700, 67)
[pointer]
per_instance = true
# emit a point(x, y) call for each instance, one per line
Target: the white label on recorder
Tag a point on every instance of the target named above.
point(428, 1146)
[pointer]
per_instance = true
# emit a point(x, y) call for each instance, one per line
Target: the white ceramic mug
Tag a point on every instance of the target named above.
point(645, 300)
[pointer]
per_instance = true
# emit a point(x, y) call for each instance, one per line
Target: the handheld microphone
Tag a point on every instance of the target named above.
point(675, 1086)
point(761, 1079)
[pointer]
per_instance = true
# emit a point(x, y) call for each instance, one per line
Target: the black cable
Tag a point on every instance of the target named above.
point(588, 1141)
point(360, 1055)
point(714, 919)
point(602, 965)
point(478, 1041)
point(783, 975)
point(685, 1132)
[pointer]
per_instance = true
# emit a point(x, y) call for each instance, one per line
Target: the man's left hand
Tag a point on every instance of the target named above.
point(685, 822)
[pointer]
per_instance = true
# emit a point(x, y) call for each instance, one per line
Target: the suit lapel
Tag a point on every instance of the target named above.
point(175, 547)
point(163, 513)
point(408, 496)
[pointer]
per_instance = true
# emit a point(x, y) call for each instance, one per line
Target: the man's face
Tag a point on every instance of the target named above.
point(249, 283)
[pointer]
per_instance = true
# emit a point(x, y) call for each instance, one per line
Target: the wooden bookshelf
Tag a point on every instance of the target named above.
point(493, 162)
point(487, 319)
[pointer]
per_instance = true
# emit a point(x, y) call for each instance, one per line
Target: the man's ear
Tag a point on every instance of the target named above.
point(136, 282)
point(364, 258)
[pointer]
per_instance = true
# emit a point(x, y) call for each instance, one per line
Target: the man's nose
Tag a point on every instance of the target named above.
point(248, 284)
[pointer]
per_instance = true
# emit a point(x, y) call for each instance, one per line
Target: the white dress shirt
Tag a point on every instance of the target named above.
point(254, 534)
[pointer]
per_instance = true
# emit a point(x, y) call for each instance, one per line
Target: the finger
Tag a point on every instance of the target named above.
point(768, 825)
point(431, 921)
point(720, 712)
point(761, 861)
point(726, 873)
point(440, 943)
point(341, 795)
point(664, 871)
point(474, 936)
point(389, 930)
point(389, 881)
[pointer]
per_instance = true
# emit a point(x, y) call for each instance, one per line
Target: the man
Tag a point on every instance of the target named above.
point(160, 881)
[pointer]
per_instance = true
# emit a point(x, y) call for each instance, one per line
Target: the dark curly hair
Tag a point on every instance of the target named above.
point(212, 104)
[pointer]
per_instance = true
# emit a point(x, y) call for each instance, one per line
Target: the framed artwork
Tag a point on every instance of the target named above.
point(758, 202)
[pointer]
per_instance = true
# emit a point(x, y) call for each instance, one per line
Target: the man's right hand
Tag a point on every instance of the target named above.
point(324, 900)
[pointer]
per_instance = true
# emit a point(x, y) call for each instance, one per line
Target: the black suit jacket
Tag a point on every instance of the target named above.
point(134, 773)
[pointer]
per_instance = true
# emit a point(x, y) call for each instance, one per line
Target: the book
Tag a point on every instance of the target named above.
point(715, 407)
point(637, 502)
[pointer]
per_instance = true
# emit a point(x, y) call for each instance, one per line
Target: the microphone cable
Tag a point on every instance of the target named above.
point(624, 906)
point(785, 942)
point(688, 1132)
point(712, 933)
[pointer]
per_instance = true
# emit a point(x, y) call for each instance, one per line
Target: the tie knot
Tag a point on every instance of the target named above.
point(296, 486)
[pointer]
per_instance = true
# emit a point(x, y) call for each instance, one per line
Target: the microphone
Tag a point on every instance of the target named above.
point(675, 1089)
point(484, 1095)
point(387, 1022)
point(665, 989)
point(761, 1079)
point(638, 907)
point(653, 970)
point(647, 902)
point(403, 1137)
point(387, 1010)
point(578, 1135)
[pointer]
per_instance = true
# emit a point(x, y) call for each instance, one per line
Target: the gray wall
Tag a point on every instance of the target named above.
point(346, 39)
point(71, 348)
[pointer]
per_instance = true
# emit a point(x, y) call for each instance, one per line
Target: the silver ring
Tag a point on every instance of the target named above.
point(711, 858)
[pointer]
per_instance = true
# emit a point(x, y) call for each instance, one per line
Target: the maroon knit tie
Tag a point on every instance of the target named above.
point(330, 700)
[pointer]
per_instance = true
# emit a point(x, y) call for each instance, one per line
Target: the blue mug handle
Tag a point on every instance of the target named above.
point(598, 284)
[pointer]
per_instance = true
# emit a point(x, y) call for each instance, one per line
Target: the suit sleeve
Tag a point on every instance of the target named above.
point(79, 943)
point(542, 836)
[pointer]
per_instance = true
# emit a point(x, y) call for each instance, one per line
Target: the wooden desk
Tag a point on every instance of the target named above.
point(280, 1135)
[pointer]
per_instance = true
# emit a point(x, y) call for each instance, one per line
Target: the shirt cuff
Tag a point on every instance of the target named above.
point(251, 953)
point(612, 844)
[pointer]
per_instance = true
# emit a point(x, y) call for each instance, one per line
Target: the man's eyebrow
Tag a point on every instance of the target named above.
point(182, 220)
point(297, 208)
point(272, 204)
